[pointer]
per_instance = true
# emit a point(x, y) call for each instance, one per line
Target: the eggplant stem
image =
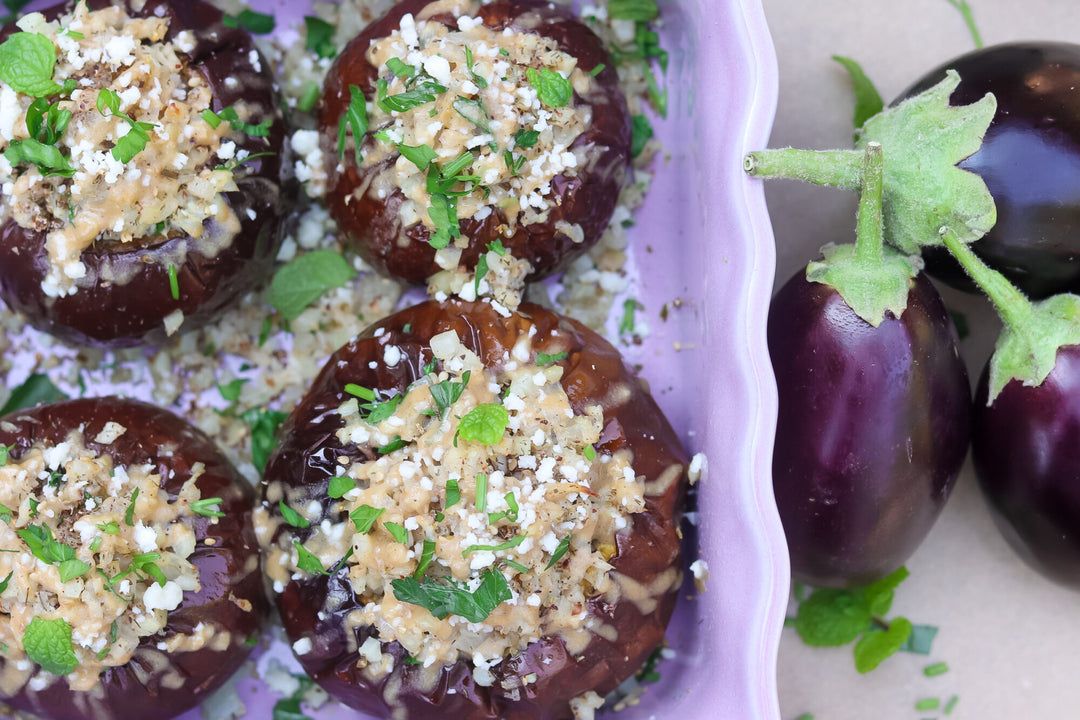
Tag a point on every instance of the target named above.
point(1015, 309)
point(836, 168)
point(870, 225)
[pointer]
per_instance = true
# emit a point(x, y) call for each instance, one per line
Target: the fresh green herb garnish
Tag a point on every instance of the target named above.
point(4, 450)
point(928, 704)
point(45, 547)
point(481, 271)
point(589, 452)
point(496, 247)
point(364, 517)
point(484, 424)
point(481, 492)
point(47, 158)
point(597, 70)
point(396, 444)
point(13, 6)
point(208, 507)
point(264, 425)
point(399, 68)
point(48, 643)
point(211, 118)
point(292, 517)
point(420, 155)
point(543, 359)
point(426, 556)
point(511, 543)
point(319, 37)
point(626, 325)
point(6, 514)
point(936, 669)
point(289, 708)
point(27, 63)
point(379, 411)
point(477, 80)
point(174, 283)
point(46, 122)
point(443, 214)
point(553, 89)
point(642, 132)
point(513, 162)
point(360, 391)
point(146, 563)
point(230, 392)
point(474, 111)
point(526, 138)
point(129, 514)
point(561, 549)
point(398, 532)
point(423, 93)
point(254, 22)
point(130, 145)
point(356, 120)
point(339, 486)
point(447, 392)
point(515, 565)
point(109, 528)
point(308, 98)
point(453, 493)
point(229, 114)
point(444, 600)
point(304, 280)
point(648, 673)
point(306, 561)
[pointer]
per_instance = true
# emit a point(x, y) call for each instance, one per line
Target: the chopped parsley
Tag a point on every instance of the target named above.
point(230, 115)
point(453, 493)
point(419, 155)
point(39, 539)
point(292, 517)
point(451, 599)
point(642, 132)
point(254, 22)
point(364, 517)
point(129, 514)
point(481, 271)
point(306, 561)
point(109, 528)
point(589, 452)
point(496, 247)
point(443, 214)
point(526, 138)
point(400, 68)
point(398, 532)
point(543, 359)
point(447, 392)
point(511, 543)
point(356, 120)
point(426, 556)
point(130, 145)
point(339, 486)
point(560, 550)
point(230, 392)
point(423, 93)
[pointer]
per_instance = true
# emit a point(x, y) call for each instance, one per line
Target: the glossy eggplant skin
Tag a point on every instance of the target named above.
point(1030, 161)
point(231, 595)
point(112, 315)
point(1026, 448)
point(873, 428)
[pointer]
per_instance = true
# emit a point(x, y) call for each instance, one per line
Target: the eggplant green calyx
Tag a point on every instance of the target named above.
point(923, 139)
point(1033, 332)
point(872, 279)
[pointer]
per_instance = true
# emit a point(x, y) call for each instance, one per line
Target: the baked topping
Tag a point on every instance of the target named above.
point(477, 119)
point(113, 143)
point(487, 520)
point(93, 557)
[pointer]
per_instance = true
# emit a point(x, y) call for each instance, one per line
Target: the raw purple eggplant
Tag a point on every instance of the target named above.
point(873, 428)
point(1026, 448)
point(1030, 160)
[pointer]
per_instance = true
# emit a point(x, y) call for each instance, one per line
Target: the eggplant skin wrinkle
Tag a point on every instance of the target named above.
point(1026, 449)
point(873, 428)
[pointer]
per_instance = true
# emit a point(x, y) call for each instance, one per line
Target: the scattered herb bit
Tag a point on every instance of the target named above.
point(477, 80)
point(4, 450)
point(589, 452)
point(208, 507)
point(211, 118)
point(423, 93)
point(109, 528)
point(46, 158)
point(875, 646)
point(174, 283)
point(33, 508)
point(339, 486)
point(356, 120)
point(426, 556)
point(453, 493)
point(484, 424)
point(419, 155)
point(146, 563)
point(496, 247)
point(597, 70)
point(648, 673)
point(481, 492)
point(936, 669)
point(230, 392)
point(626, 325)
point(364, 517)
point(638, 10)
point(71, 569)
point(306, 279)
point(560, 550)
point(951, 705)
point(306, 561)
point(805, 716)
point(400, 68)
point(379, 411)
point(360, 391)
point(443, 214)
point(6, 514)
point(46, 121)
point(308, 98)
point(920, 640)
point(504, 51)
point(130, 145)
point(48, 643)
point(289, 708)
point(513, 162)
point(474, 111)
point(642, 132)
point(516, 565)
point(868, 102)
point(481, 271)
point(5, 581)
point(319, 37)
point(398, 532)
point(543, 359)
point(129, 514)
point(264, 425)
point(396, 444)
point(292, 517)
point(928, 704)
point(233, 118)
point(254, 22)
point(444, 600)
point(511, 501)
point(552, 88)
point(511, 543)
point(27, 62)
point(447, 392)
point(410, 660)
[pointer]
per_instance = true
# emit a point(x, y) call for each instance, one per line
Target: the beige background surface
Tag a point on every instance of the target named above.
point(1011, 639)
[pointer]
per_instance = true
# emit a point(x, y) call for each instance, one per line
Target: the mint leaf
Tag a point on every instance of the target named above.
point(484, 424)
point(37, 389)
point(553, 89)
point(526, 138)
point(831, 617)
point(27, 62)
point(444, 600)
point(48, 643)
point(879, 595)
point(306, 279)
point(877, 645)
point(868, 102)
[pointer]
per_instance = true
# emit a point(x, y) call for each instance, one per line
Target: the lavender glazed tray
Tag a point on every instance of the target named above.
point(703, 238)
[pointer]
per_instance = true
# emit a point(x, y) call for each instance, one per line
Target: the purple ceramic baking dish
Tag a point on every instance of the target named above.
point(702, 237)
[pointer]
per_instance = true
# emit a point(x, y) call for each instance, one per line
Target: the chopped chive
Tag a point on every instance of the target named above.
point(951, 705)
point(174, 283)
point(481, 492)
point(563, 547)
point(928, 704)
point(589, 453)
point(129, 514)
point(516, 565)
point(511, 543)
point(208, 507)
point(936, 669)
point(598, 69)
point(360, 391)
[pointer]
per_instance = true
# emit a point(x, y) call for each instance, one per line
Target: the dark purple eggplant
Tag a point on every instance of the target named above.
point(1026, 448)
point(1030, 160)
point(873, 428)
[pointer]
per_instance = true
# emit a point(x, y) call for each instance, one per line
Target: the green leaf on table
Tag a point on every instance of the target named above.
point(877, 645)
point(868, 102)
point(879, 595)
point(831, 617)
point(923, 139)
point(921, 639)
point(306, 279)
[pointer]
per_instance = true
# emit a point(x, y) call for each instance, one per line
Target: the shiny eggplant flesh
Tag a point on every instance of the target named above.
point(155, 683)
point(104, 313)
point(872, 430)
point(1026, 448)
point(372, 222)
point(316, 607)
point(1030, 161)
